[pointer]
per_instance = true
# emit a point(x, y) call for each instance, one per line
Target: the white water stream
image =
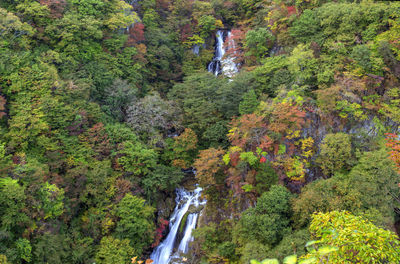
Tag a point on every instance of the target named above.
point(165, 251)
point(220, 64)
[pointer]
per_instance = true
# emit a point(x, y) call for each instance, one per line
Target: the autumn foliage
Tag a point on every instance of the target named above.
point(393, 143)
point(209, 165)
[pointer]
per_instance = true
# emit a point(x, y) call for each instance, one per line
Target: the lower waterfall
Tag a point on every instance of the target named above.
point(164, 253)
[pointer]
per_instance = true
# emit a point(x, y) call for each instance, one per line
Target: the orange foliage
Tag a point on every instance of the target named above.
point(123, 187)
point(236, 42)
point(136, 33)
point(248, 132)
point(179, 163)
point(208, 165)
point(286, 116)
point(3, 102)
point(234, 180)
point(186, 141)
point(393, 143)
point(97, 138)
point(56, 7)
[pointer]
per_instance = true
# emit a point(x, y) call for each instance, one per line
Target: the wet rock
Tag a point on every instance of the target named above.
point(165, 207)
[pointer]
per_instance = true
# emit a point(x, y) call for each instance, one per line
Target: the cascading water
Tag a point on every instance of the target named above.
point(184, 199)
point(215, 64)
point(229, 67)
point(218, 65)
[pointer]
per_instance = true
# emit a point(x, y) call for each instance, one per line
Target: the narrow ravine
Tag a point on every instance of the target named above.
point(169, 251)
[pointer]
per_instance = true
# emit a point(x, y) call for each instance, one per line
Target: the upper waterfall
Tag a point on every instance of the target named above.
point(222, 64)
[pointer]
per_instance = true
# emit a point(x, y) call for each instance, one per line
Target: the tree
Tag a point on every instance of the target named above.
point(51, 248)
point(307, 27)
point(136, 158)
point(51, 198)
point(209, 166)
point(258, 41)
point(268, 220)
point(14, 31)
point(357, 239)
point(207, 24)
point(24, 249)
point(302, 65)
point(97, 139)
point(197, 97)
point(162, 178)
point(185, 149)
point(335, 153)
point(249, 103)
point(135, 222)
point(115, 251)
point(369, 190)
point(120, 95)
point(12, 203)
point(249, 131)
point(393, 143)
point(152, 115)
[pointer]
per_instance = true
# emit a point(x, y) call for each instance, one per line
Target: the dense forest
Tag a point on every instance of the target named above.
point(108, 106)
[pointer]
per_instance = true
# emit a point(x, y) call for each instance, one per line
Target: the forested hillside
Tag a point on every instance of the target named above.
point(107, 106)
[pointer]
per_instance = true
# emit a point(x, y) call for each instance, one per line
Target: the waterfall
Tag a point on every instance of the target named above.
point(219, 64)
point(184, 199)
point(196, 50)
point(229, 67)
point(190, 225)
point(215, 64)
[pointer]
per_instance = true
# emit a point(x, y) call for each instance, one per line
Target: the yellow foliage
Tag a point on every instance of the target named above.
point(106, 225)
point(219, 24)
point(293, 134)
point(234, 149)
point(307, 147)
point(123, 18)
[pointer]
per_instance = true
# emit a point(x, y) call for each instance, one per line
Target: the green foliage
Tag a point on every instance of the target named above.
point(265, 177)
point(24, 249)
point(268, 220)
point(136, 158)
point(258, 42)
point(185, 149)
point(198, 97)
point(272, 74)
point(365, 190)
point(207, 24)
point(249, 103)
point(352, 234)
point(51, 248)
point(302, 64)
point(341, 22)
point(227, 250)
point(51, 198)
point(335, 153)
point(114, 251)
point(163, 178)
point(90, 94)
point(3, 259)
point(249, 157)
point(292, 243)
point(12, 203)
point(135, 222)
point(14, 32)
point(254, 250)
point(306, 28)
point(119, 96)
